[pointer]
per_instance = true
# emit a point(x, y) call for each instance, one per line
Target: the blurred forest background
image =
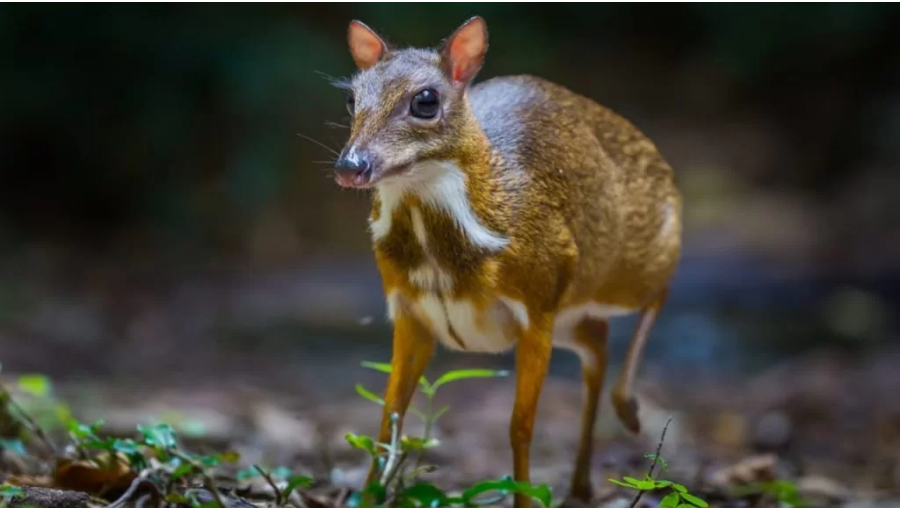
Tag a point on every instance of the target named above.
point(162, 222)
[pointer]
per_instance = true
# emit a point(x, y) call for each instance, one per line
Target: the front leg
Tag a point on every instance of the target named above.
point(412, 349)
point(533, 356)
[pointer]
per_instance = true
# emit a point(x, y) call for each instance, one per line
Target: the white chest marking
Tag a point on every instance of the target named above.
point(461, 326)
point(441, 184)
point(429, 275)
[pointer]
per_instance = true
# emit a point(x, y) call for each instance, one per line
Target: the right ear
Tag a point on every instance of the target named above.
point(464, 51)
point(366, 47)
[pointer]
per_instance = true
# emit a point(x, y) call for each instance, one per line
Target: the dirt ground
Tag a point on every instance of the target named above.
point(825, 420)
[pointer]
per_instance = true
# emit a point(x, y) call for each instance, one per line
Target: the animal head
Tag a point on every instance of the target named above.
point(408, 105)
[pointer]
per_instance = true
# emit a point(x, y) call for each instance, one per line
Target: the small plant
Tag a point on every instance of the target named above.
point(8, 494)
point(782, 491)
point(397, 488)
point(678, 495)
point(430, 416)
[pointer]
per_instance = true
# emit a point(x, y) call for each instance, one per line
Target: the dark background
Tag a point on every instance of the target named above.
point(162, 221)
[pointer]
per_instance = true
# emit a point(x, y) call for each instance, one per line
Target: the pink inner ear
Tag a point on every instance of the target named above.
point(467, 50)
point(365, 47)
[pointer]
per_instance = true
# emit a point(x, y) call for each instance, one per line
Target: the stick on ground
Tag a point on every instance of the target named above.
point(653, 463)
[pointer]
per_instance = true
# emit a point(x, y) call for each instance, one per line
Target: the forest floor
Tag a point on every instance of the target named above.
point(819, 430)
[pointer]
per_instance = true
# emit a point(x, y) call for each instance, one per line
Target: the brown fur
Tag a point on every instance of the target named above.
point(588, 204)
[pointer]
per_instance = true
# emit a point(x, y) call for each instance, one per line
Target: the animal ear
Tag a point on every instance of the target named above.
point(366, 47)
point(464, 51)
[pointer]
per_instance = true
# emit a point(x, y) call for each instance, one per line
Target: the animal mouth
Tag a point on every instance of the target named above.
point(359, 180)
point(367, 179)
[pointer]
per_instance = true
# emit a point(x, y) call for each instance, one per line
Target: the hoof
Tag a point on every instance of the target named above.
point(627, 411)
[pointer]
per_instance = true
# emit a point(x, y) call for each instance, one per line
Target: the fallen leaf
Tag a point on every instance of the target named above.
point(105, 475)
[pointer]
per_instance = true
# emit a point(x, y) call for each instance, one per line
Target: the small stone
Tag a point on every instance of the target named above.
point(749, 470)
point(819, 489)
point(285, 430)
point(772, 431)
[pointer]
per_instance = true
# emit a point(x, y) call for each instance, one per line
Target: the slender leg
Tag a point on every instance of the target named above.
point(412, 350)
point(590, 342)
point(533, 355)
point(623, 399)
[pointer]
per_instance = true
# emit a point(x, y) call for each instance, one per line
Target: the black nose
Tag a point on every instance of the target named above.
point(352, 164)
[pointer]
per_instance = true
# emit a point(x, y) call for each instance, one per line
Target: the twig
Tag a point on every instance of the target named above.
point(654, 463)
point(278, 492)
point(135, 484)
point(208, 481)
point(11, 403)
point(142, 500)
point(341, 498)
point(391, 463)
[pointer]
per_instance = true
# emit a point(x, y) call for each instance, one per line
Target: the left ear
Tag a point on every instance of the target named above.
point(464, 51)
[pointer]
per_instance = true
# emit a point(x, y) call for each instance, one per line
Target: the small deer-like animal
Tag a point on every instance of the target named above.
point(512, 213)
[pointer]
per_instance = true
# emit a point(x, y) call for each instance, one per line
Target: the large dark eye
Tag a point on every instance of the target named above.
point(350, 104)
point(425, 104)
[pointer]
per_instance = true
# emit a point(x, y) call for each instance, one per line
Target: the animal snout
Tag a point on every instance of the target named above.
point(353, 168)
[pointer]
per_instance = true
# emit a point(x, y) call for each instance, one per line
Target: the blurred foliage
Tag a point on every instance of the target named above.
point(180, 121)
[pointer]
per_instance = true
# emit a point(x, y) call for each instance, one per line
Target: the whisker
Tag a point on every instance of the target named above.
point(323, 145)
point(336, 125)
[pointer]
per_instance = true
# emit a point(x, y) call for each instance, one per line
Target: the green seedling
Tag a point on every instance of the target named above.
point(392, 489)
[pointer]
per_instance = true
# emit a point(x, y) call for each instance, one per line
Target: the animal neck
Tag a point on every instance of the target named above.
point(439, 194)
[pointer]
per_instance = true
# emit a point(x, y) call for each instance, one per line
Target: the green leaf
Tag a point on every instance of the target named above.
point(541, 493)
point(642, 485)
point(367, 394)
point(13, 445)
point(229, 457)
point(623, 484)
point(423, 494)
point(371, 496)
point(441, 411)
point(126, 446)
point(247, 473)
point(361, 442)
point(82, 431)
point(294, 482)
point(10, 492)
point(678, 487)
point(181, 471)
point(160, 436)
point(691, 499)
point(384, 367)
point(36, 385)
point(210, 461)
point(107, 444)
point(660, 460)
point(671, 500)
point(281, 473)
point(463, 374)
point(176, 498)
point(417, 443)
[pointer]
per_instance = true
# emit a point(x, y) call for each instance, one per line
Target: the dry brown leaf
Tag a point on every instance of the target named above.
point(105, 475)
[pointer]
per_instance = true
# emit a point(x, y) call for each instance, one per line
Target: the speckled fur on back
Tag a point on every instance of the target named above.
point(565, 159)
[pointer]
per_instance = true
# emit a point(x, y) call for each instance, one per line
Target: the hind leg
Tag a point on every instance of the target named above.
point(623, 398)
point(589, 341)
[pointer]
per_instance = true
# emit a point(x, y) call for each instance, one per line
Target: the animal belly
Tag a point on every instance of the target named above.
point(463, 325)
